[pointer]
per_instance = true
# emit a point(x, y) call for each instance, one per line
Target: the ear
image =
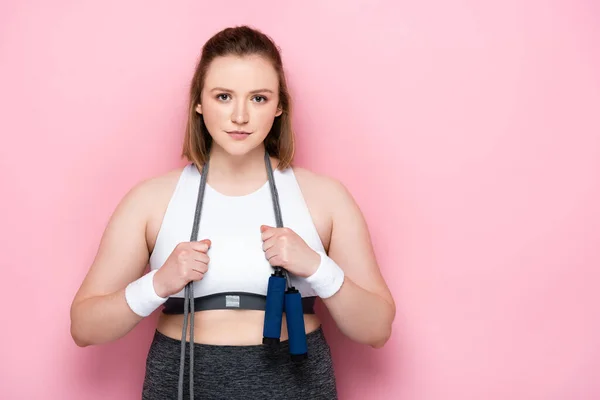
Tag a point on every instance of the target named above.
point(279, 111)
point(199, 108)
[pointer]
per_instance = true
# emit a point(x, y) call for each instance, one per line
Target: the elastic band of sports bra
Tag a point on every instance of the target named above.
point(228, 301)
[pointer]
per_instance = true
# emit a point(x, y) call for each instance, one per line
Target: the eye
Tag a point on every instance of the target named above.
point(260, 99)
point(222, 96)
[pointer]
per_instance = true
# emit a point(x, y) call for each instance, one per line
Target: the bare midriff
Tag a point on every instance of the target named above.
point(227, 327)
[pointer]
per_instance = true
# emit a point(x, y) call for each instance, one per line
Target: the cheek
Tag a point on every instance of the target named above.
point(265, 116)
point(213, 116)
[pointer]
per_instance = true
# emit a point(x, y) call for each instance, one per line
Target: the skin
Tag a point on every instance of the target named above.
point(239, 94)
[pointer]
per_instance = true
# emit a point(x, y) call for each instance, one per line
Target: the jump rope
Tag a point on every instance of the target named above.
point(281, 295)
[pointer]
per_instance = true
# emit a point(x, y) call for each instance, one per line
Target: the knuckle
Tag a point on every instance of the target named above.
point(182, 272)
point(203, 247)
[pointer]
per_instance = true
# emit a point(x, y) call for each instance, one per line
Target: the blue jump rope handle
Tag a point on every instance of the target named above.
point(274, 308)
point(294, 316)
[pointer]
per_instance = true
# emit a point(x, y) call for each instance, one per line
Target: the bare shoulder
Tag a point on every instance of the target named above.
point(312, 179)
point(322, 194)
point(160, 185)
point(145, 195)
point(146, 202)
point(144, 205)
point(154, 195)
point(330, 190)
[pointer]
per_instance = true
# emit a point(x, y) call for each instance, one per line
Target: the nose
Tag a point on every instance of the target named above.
point(240, 113)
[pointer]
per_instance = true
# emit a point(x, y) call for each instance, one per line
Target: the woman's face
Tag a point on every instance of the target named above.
point(239, 102)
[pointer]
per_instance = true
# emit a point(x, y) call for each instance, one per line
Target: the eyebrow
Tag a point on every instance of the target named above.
point(220, 89)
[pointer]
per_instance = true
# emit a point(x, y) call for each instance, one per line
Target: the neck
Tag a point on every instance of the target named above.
point(225, 167)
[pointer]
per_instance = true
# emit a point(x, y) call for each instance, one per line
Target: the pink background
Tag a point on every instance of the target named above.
point(476, 126)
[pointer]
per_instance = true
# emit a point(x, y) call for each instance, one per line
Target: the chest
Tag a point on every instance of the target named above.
point(236, 222)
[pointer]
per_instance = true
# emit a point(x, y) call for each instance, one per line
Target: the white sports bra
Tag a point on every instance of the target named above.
point(232, 223)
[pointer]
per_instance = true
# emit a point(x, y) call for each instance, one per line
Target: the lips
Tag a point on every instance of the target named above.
point(239, 135)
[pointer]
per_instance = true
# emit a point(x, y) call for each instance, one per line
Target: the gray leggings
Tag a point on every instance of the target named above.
point(241, 372)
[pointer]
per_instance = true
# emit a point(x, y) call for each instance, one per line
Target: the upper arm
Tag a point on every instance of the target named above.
point(122, 254)
point(350, 245)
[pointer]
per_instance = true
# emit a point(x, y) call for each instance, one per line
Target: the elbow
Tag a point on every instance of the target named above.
point(381, 340)
point(80, 343)
point(78, 338)
point(77, 333)
point(386, 332)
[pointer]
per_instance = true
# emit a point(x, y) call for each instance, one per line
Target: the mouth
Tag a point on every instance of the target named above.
point(238, 135)
point(239, 132)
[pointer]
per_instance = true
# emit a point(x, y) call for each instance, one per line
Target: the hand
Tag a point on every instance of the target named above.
point(284, 248)
point(188, 262)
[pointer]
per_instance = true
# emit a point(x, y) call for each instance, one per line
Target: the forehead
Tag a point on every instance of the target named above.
point(241, 74)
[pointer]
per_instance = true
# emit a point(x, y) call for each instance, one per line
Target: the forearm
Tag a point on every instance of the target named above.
point(361, 315)
point(102, 319)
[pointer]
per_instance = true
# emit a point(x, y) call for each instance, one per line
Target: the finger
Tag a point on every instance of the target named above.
point(272, 252)
point(196, 275)
point(201, 246)
point(275, 261)
point(200, 267)
point(269, 243)
point(201, 258)
point(267, 232)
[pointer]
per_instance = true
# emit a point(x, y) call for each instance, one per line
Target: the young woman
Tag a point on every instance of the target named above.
point(216, 230)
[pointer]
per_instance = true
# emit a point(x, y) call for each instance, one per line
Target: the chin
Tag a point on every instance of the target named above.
point(242, 147)
point(239, 149)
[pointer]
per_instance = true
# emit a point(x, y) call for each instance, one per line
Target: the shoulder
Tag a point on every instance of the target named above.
point(330, 189)
point(153, 188)
point(166, 180)
point(150, 199)
point(150, 195)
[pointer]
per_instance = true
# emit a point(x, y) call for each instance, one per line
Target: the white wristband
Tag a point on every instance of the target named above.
point(141, 296)
point(328, 278)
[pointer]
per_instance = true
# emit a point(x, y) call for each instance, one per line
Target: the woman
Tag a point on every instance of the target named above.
point(216, 230)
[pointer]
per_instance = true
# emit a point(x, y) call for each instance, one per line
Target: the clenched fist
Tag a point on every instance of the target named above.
point(285, 248)
point(188, 262)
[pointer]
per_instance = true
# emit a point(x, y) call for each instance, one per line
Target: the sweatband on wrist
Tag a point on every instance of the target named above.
point(141, 296)
point(328, 278)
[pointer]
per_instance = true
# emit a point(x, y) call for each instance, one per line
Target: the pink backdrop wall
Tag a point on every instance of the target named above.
point(477, 128)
